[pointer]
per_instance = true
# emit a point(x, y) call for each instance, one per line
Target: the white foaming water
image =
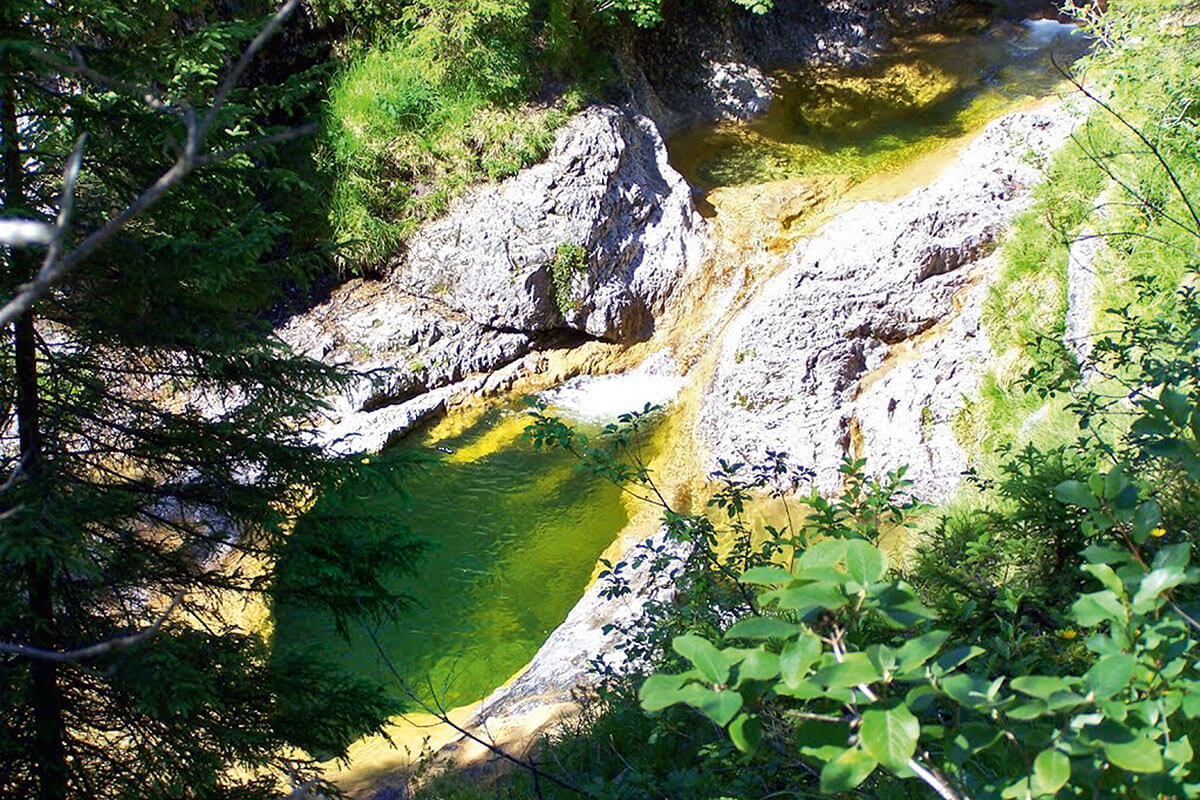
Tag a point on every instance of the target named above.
point(603, 398)
point(1041, 32)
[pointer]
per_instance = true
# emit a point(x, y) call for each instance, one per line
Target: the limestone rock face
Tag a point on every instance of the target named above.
point(404, 347)
point(792, 367)
point(606, 188)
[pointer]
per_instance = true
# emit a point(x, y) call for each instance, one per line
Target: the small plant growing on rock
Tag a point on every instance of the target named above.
point(569, 260)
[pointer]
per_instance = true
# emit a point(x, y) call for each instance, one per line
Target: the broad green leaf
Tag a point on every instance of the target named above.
point(660, 691)
point(854, 670)
point(846, 771)
point(890, 735)
point(759, 665)
point(865, 562)
point(920, 697)
point(897, 603)
point(720, 706)
point(1175, 555)
point(809, 596)
point(974, 737)
point(1176, 405)
point(1041, 686)
point(1028, 710)
point(1105, 574)
point(1051, 771)
point(1154, 585)
point(1110, 674)
point(798, 657)
point(883, 657)
point(915, 652)
point(1115, 481)
point(1145, 519)
point(825, 553)
point(746, 733)
point(1140, 755)
point(1096, 608)
point(767, 576)
point(967, 690)
point(1077, 494)
point(761, 628)
point(954, 658)
point(704, 655)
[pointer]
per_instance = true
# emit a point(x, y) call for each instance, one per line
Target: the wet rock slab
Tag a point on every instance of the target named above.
point(794, 362)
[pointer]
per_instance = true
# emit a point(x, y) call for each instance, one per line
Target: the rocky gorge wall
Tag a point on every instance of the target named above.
point(865, 343)
point(590, 244)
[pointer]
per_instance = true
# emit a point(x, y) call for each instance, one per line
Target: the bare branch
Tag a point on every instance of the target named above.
point(95, 650)
point(54, 268)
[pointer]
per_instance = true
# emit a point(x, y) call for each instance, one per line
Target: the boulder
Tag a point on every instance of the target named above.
point(793, 363)
point(592, 240)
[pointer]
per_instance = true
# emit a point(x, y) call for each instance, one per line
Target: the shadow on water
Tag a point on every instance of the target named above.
point(514, 535)
point(926, 91)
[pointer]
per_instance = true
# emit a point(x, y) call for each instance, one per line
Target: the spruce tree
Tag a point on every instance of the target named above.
point(155, 452)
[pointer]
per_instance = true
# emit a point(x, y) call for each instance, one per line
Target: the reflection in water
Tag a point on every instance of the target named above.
point(927, 91)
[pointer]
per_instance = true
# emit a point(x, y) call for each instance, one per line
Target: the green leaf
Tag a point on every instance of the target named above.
point(915, 652)
point(897, 603)
point(1154, 585)
point(1041, 686)
point(766, 576)
point(865, 562)
point(1093, 609)
point(967, 690)
point(746, 733)
point(1140, 755)
point(855, 669)
point(826, 553)
point(890, 735)
point(1027, 711)
point(1051, 771)
point(1105, 574)
point(846, 771)
point(720, 706)
point(1115, 481)
point(660, 691)
point(1176, 405)
point(883, 657)
point(809, 596)
point(1146, 519)
point(797, 658)
point(706, 658)
point(1179, 751)
point(759, 665)
point(954, 658)
point(1077, 494)
point(1110, 674)
point(761, 628)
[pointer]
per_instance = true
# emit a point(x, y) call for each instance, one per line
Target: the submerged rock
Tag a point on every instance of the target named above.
point(594, 239)
point(793, 364)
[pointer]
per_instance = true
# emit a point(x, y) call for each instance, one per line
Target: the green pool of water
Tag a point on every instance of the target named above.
point(927, 91)
point(514, 536)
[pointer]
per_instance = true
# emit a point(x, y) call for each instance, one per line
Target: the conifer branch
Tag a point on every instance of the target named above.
point(95, 650)
point(54, 268)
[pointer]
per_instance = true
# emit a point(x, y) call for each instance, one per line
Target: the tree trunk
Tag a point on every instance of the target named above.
point(47, 746)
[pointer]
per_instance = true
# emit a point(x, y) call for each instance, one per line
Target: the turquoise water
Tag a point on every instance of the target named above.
point(514, 537)
point(926, 91)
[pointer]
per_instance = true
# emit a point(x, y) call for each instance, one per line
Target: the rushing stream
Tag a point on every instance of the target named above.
point(514, 533)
